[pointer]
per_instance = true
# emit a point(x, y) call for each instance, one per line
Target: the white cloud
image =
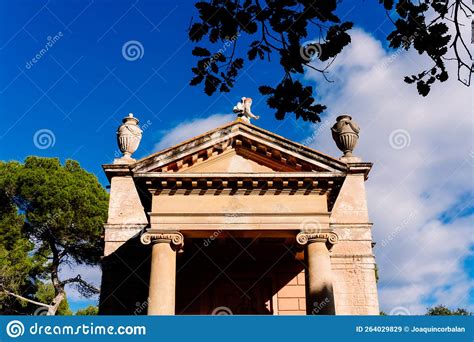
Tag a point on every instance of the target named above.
point(191, 128)
point(408, 187)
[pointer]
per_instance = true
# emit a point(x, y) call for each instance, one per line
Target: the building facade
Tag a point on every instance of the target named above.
point(238, 220)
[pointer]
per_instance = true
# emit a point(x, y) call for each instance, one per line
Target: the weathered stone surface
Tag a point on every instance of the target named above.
point(124, 205)
point(236, 198)
point(351, 204)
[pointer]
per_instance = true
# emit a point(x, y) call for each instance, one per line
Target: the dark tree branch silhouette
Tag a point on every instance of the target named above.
point(282, 28)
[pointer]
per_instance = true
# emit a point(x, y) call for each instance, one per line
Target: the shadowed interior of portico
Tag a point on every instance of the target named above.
point(233, 276)
point(216, 275)
point(125, 277)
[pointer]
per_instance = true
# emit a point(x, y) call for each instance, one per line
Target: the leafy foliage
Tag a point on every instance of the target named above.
point(431, 38)
point(442, 310)
point(45, 294)
point(52, 216)
point(91, 310)
point(282, 27)
point(64, 207)
point(17, 266)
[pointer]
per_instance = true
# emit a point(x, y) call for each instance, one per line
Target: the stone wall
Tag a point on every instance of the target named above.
point(355, 290)
point(352, 259)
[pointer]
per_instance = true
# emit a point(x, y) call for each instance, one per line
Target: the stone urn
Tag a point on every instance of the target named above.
point(129, 135)
point(345, 133)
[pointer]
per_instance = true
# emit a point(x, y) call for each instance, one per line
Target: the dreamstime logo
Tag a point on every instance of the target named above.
point(15, 329)
point(399, 139)
point(44, 138)
point(215, 57)
point(310, 50)
point(52, 219)
point(41, 311)
point(405, 44)
point(141, 307)
point(318, 306)
point(133, 50)
point(399, 228)
point(400, 311)
point(212, 237)
point(51, 41)
point(222, 311)
point(310, 227)
point(322, 127)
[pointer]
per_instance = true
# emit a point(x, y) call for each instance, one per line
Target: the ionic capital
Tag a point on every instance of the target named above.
point(329, 238)
point(174, 238)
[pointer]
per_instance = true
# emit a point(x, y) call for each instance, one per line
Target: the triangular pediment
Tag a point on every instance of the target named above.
point(235, 160)
point(238, 147)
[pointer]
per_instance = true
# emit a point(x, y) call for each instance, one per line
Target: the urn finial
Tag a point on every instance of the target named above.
point(345, 133)
point(129, 135)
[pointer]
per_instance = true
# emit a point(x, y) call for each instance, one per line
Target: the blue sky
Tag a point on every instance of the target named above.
point(83, 86)
point(84, 81)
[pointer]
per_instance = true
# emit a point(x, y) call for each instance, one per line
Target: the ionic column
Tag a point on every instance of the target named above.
point(319, 290)
point(162, 287)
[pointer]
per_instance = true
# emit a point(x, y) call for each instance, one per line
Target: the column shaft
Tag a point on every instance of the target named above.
point(162, 291)
point(320, 296)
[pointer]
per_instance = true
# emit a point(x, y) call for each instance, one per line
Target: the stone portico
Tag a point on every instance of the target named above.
point(238, 220)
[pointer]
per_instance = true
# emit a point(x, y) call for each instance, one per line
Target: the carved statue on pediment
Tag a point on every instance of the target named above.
point(243, 110)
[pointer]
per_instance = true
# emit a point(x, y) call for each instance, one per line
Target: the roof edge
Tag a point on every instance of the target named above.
point(334, 162)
